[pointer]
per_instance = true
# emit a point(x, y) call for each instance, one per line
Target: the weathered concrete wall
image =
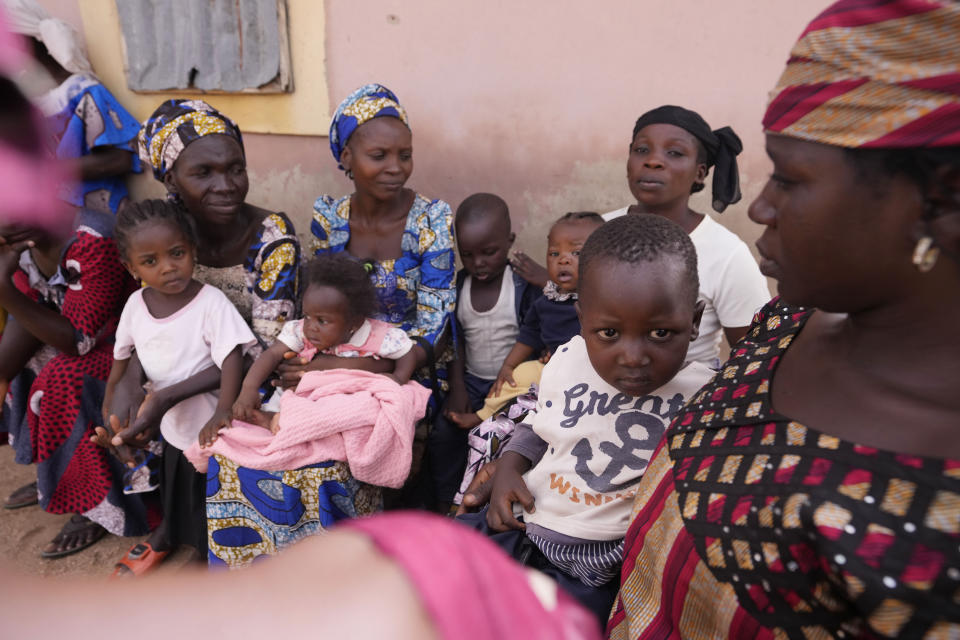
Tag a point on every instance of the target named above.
point(536, 100)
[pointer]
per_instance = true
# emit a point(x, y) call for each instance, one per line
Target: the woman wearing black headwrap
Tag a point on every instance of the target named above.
point(671, 153)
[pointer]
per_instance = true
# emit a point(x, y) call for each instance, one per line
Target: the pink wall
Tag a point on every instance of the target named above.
point(534, 100)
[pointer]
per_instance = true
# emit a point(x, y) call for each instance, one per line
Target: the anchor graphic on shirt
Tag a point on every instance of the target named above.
point(620, 456)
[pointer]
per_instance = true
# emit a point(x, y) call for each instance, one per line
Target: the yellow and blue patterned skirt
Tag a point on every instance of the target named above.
point(251, 513)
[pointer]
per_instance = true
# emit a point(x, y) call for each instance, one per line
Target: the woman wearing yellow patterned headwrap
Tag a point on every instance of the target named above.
point(249, 253)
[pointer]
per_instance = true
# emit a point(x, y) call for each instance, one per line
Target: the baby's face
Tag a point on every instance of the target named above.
point(327, 320)
point(484, 246)
point(563, 251)
point(637, 321)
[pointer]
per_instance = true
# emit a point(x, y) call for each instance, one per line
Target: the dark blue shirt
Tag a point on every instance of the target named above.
point(549, 324)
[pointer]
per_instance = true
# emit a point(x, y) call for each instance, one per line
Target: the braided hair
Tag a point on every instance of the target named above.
point(145, 212)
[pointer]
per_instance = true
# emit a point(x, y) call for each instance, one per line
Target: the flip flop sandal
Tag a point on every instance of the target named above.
point(25, 496)
point(140, 559)
point(76, 524)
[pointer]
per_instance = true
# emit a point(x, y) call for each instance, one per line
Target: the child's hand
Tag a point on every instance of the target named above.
point(529, 269)
point(456, 401)
point(103, 437)
point(209, 433)
point(545, 356)
point(508, 487)
point(478, 493)
point(247, 402)
point(504, 377)
point(464, 420)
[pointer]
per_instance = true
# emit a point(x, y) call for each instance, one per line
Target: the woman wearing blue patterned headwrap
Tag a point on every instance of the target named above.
point(368, 102)
point(405, 241)
point(404, 237)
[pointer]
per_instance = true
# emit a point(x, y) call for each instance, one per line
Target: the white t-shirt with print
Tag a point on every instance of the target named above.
point(599, 442)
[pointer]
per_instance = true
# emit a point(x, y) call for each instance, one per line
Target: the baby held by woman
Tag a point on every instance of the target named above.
point(337, 304)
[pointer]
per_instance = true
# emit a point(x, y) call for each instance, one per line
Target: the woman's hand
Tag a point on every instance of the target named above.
point(529, 269)
point(247, 402)
point(211, 430)
point(293, 367)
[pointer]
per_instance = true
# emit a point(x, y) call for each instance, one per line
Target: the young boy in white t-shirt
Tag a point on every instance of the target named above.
point(492, 302)
point(606, 399)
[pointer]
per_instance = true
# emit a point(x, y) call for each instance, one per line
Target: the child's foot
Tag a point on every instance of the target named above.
point(261, 418)
point(465, 420)
point(144, 556)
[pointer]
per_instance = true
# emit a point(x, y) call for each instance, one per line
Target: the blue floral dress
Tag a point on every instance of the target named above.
point(416, 291)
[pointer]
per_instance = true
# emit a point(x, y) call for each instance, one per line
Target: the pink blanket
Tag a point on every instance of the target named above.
point(364, 419)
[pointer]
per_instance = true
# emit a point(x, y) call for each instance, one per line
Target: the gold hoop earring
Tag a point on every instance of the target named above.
point(925, 254)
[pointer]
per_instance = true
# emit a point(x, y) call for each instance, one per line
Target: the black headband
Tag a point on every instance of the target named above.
point(722, 148)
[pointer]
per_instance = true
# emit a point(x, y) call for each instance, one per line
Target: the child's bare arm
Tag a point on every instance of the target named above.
point(457, 401)
point(266, 363)
point(117, 371)
point(111, 423)
point(520, 353)
point(404, 367)
point(509, 487)
point(230, 373)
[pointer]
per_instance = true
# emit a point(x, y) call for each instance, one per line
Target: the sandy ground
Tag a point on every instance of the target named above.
point(24, 532)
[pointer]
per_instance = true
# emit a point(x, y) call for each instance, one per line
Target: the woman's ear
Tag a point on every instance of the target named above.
point(346, 158)
point(942, 222)
point(170, 182)
point(702, 171)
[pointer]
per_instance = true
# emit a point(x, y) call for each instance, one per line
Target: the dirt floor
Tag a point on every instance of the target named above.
point(24, 532)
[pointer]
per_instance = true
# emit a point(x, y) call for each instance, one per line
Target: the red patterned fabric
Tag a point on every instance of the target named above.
point(55, 403)
point(873, 73)
point(750, 525)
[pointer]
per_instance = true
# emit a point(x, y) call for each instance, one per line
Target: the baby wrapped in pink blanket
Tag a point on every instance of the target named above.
point(364, 419)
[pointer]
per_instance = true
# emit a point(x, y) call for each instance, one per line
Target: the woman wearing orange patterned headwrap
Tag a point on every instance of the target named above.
point(812, 489)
